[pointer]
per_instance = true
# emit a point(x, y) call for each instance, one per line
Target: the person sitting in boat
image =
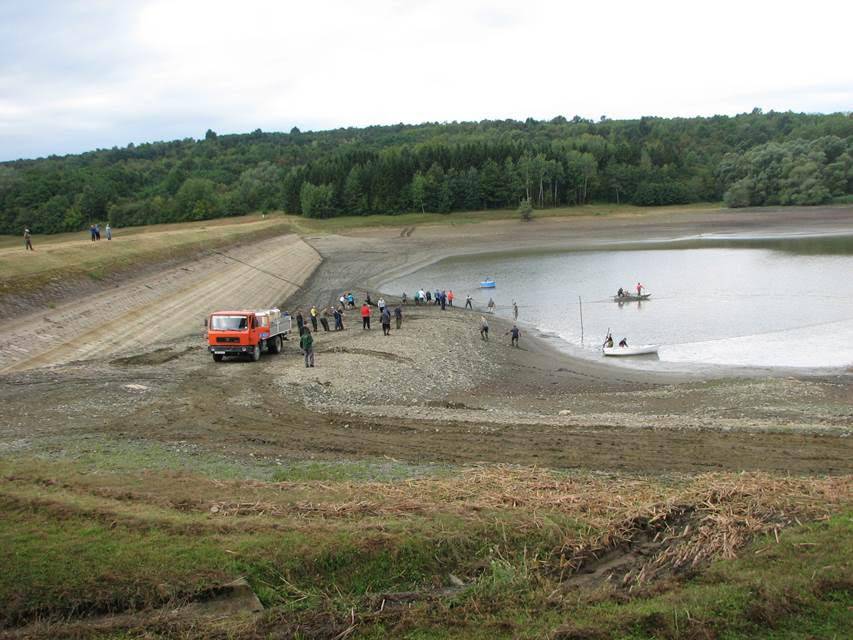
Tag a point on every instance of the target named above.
point(623, 342)
point(608, 342)
point(621, 292)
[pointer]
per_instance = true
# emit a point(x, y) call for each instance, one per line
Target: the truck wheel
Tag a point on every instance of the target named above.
point(217, 357)
point(274, 344)
point(256, 353)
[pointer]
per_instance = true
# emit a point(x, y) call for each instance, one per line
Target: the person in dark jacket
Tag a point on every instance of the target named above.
point(398, 316)
point(386, 322)
point(515, 333)
point(300, 322)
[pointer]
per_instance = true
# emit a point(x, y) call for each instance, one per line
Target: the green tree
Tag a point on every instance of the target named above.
point(259, 189)
point(355, 192)
point(317, 200)
point(418, 192)
point(197, 200)
point(525, 210)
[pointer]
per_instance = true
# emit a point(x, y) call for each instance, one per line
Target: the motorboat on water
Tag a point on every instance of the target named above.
point(488, 283)
point(638, 350)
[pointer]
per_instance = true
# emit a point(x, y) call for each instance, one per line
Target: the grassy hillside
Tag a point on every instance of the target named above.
point(71, 256)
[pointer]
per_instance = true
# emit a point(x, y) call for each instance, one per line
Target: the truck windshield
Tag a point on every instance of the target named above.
point(229, 323)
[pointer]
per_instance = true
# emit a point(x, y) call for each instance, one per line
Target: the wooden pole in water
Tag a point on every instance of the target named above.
point(580, 307)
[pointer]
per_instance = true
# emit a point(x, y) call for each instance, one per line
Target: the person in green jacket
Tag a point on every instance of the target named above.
point(306, 342)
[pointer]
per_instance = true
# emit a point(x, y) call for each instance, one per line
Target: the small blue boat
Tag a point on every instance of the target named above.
point(488, 283)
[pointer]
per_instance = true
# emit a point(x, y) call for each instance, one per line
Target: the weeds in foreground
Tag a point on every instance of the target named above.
point(498, 551)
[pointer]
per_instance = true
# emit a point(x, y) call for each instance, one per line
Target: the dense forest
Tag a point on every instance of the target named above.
point(750, 159)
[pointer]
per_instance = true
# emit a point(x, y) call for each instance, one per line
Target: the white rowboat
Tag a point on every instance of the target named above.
point(639, 350)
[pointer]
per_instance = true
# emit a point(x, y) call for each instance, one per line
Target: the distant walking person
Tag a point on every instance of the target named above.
point(515, 333)
point(491, 306)
point(386, 322)
point(398, 316)
point(468, 304)
point(365, 316)
point(339, 320)
point(381, 304)
point(306, 342)
point(313, 313)
point(484, 328)
point(97, 231)
point(450, 297)
point(92, 231)
point(514, 310)
point(28, 240)
point(109, 232)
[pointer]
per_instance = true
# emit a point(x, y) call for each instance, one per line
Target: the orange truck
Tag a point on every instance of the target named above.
point(246, 333)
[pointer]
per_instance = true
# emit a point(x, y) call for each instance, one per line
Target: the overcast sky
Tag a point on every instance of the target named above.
point(78, 75)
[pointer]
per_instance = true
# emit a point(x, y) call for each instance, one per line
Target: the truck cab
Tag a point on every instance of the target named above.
point(246, 333)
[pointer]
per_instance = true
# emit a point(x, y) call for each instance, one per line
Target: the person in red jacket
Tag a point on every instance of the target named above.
point(365, 316)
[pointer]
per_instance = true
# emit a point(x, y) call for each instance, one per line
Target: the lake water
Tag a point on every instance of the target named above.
point(784, 302)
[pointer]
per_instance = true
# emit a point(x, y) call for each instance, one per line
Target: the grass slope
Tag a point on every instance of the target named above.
point(72, 255)
point(343, 550)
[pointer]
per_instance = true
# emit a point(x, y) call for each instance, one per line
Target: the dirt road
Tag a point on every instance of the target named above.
point(157, 308)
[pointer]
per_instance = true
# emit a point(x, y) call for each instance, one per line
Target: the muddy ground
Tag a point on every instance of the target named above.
point(431, 393)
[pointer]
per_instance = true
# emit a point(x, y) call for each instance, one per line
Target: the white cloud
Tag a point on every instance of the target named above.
point(78, 75)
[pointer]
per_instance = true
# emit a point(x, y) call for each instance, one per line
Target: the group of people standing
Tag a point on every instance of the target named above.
point(323, 317)
point(95, 232)
point(385, 314)
point(437, 297)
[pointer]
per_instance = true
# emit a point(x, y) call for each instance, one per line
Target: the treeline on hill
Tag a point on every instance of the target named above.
point(749, 159)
